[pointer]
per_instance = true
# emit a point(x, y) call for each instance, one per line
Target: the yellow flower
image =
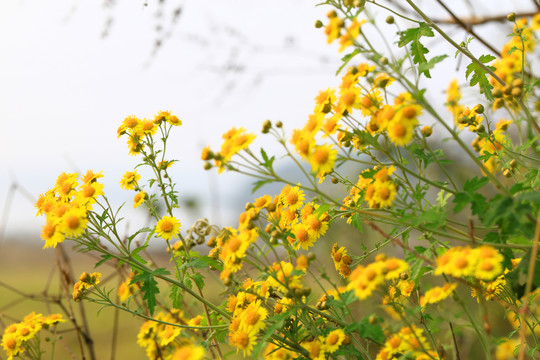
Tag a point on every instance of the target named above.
point(333, 340)
point(50, 232)
point(243, 340)
point(168, 227)
point(129, 180)
point(323, 159)
point(189, 352)
point(74, 222)
point(437, 294)
point(292, 197)
point(139, 198)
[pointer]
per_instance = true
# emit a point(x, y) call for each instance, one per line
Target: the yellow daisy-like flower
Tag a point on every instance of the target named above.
point(437, 294)
point(400, 133)
point(333, 340)
point(189, 352)
point(139, 198)
point(168, 227)
point(50, 232)
point(292, 197)
point(243, 340)
point(129, 180)
point(323, 159)
point(74, 222)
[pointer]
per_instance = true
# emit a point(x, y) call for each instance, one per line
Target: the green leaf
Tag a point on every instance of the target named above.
point(258, 184)
point(103, 259)
point(479, 77)
point(199, 280)
point(149, 289)
point(203, 262)
point(425, 67)
point(268, 162)
point(367, 330)
point(175, 294)
point(474, 184)
point(346, 59)
point(357, 222)
point(418, 50)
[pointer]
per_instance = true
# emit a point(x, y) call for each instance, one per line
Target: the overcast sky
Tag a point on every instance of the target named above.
point(71, 70)
point(64, 88)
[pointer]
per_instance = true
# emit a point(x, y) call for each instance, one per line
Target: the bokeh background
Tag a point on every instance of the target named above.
point(71, 71)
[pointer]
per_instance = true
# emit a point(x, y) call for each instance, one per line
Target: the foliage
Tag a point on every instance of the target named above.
point(446, 251)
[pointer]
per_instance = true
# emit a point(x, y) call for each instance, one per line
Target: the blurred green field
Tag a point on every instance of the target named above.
point(28, 270)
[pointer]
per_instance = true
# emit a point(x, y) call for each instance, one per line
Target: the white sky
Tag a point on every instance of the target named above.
point(64, 90)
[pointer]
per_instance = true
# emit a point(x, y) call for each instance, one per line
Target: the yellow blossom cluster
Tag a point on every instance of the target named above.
point(162, 339)
point(342, 261)
point(437, 294)
point(394, 301)
point(248, 312)
point(234, 141)
point(364, 280)
point(375, 187)
point(409, 340)
point(483, 262)
point(138, 130)
point(522, 42)
point(492, 145)
point(66, 206)
point(85, 281)
point(16, 338)
point(320, 347)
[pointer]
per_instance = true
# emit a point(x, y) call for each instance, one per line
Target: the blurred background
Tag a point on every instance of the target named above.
point(71, 71)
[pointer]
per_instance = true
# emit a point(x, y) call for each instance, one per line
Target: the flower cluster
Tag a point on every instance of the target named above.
point(364, 280)
point(409, 340)
point(18, 337)
point(139, 130)
point(66, 206)
point(86, 281)
point(483, 262)
point(162, 339)
point(375, 187)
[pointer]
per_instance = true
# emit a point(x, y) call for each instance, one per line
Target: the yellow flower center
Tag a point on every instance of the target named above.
point(234, 244)
point(333, 339)
point(384, 193)
point(11, 343)
point(242, 339)
point(292, 198)
point(399, 130)
point(166, 226)
point(321, 156)
point(252, 317)
point(89, 191)
point(409, 112)
point(72, 222)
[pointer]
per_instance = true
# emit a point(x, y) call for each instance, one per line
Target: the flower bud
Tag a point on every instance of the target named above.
point(427, 131)
point(318, 24)
point(511, 17)
point(390, 19)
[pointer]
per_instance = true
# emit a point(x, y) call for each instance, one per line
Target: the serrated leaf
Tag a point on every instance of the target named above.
point(199, 280)
point(418, 50)
point(367, 330)
point(474, 184)
point(149, 289)
point(425, 67)
point(480, 76)
point(103, 259)
point(259, 183)
point(357, 222)
point(175, 294)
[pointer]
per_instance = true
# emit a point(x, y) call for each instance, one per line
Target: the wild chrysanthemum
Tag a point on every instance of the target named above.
point(437, 294)
point(323, 159)
point(292, 197)
point(168, 227)
point(333, 340)
point(129, 180)
point(139, 199)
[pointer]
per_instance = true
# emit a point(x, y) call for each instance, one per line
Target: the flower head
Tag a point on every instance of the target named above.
point(168, 227)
